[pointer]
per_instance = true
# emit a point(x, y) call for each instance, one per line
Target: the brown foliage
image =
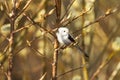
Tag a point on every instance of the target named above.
point(29, 49)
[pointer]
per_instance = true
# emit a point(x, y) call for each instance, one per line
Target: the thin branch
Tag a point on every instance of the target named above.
point(42, 78)
point(20, 29)
point(24, 8)
point(81, 14)
point(68, 8)
point(6, 46)
point(12, 19)
point(55, 54)
point(58, 10)
point(102, 65)
point(108, 12)
point(14, 4)
point(37, 24)
point(6, 38)
point(7, 6)
point(37, 51)
point(85, 72)
point(17, 52)
point(108, 58)
point(55, 61)
point(41, 55)
point(65, 20)
point(114, 73)
point(70, 71)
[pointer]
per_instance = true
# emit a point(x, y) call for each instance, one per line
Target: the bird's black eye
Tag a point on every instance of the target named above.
point(63, 31)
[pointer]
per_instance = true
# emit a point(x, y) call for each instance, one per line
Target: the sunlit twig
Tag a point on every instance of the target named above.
point(74, 69)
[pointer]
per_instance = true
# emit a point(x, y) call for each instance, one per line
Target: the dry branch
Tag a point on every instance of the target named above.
point(12, 18)
point(58, 10)
point(104, 63)
point(68, 8)
point(108, 12)
point(55, 61)
point(70, 71)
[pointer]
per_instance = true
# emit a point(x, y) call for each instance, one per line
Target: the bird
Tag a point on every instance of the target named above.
point(65, 38)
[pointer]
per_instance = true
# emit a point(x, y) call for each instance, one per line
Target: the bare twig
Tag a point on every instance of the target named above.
point(108, 58)
point(42, 78)
point(58, 10)
point(14, 4)
point(55, 54)
point(70, 71)
point(102, 65)
point(12, 18)
point(6, 38)
point(40, 54)
point(7, 6)
point(26, 27)
point(81, 14)
point(11, 42)
point(65, 20)
point(85, 73)
point(108, 12)
point(24, 8)
point(55, 59)
point(68, 8)
point(37, 24)
point(114, 73)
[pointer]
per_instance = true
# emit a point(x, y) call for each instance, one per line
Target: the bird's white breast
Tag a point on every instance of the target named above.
point(59, 37)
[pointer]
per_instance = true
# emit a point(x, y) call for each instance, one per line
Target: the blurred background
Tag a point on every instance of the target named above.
point(33, 48)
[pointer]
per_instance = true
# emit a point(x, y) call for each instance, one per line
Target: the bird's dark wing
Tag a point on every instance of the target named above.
point(70, 38)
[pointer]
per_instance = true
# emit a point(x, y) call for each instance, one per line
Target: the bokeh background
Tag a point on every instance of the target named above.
point(33, 48)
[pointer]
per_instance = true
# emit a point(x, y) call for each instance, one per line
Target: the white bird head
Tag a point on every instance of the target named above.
point(63, 36)
point(63, 31)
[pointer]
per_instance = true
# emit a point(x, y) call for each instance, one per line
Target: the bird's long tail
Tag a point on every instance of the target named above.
point(81, 51)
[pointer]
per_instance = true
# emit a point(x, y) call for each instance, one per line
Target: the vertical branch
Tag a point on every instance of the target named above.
point(114, 73)
point(83, 21)
point(104, 63)
point(55, 55)
point(58, 10)
point(55, 59)
point(85, 73)
point(11, 48)
point(11, 42)
point(68, 8)
point(12, 17)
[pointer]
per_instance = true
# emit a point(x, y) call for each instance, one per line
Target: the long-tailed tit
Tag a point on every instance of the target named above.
point(65, 38)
